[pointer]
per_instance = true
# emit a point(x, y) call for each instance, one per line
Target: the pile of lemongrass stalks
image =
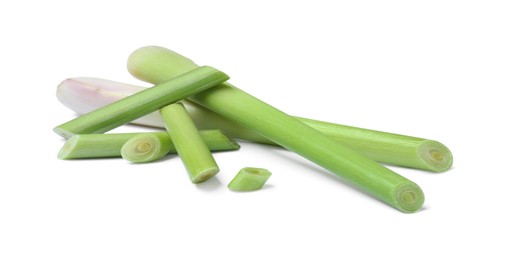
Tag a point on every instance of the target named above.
point(203, 113)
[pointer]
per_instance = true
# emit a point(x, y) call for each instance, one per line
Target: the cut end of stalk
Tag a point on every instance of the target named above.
point(409, 197)
point(436, 156)
point(66, 151)
point(249, 179)
point(63, 132)
point(205, 175)
point(142, 148)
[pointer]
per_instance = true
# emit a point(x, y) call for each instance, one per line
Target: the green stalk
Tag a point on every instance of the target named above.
point(150, 64)
point(395, 149)
point(249, 179)
point(85, 94)
point(88, 146)
point(142, 103)
point(94, 146)
point(192, 150)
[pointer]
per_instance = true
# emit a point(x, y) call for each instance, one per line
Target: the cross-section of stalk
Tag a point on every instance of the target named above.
point(192, 150)
point(142, 103)
point(146, 147)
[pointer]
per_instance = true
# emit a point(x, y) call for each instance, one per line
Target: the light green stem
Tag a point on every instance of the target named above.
point(142, 103)
point(88, 146)
point(149, 65)
point(249, 179)
point(192, 150)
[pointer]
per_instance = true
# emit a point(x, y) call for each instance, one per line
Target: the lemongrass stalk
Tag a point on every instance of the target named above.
point(85, 94)
point(87, 146)
point(190, 147)
point(142, 103)
point(152, 65)
point(249, 179)
point(146, 147)
point(94, 146)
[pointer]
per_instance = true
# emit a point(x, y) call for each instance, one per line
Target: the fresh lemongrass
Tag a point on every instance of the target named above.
point(86, 94)
point(94, 146)
point(249, 179)
point(190, 147)
point(149, 64)
point(146, 147)
point(87, 146)
point(132, 107)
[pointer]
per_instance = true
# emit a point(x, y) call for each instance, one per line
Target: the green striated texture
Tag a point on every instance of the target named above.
point(290, 133)
point(87, 146)
point(142, 103)
point(249, 179)
point(85, 94)
point(388, 148)
point(94, 146)
point(192, 150)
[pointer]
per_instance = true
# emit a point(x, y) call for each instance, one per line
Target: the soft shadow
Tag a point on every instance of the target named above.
point(209, 185)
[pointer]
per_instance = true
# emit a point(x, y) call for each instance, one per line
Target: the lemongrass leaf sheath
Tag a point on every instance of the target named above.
point(85, 94)
point(87, 146)
point(249, 179)
point(149, 65)
point(190, 147)
point(149, 100)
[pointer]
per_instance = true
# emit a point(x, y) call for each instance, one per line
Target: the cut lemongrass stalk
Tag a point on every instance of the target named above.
point(146, 147)
point(249, 179)
point(94, 146)
point(149, 65)
point(142, 103)
point(87, 146)
point(190, 147)
point(86, 94)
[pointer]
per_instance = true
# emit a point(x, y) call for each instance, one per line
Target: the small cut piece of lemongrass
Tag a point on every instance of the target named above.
point(142, 103)
point(87, 146)
point(192, 150)
point(146, 147)
point(249, 179)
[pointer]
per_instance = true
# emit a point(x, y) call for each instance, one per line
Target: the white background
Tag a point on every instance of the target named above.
point(432, 69)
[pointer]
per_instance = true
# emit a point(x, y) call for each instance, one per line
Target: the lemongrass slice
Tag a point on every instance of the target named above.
point(146, 147)
point(85, 94)
point(150, 64)
point(88, 146)
point(190, 147)
point(249, 179)
point(142, 103)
